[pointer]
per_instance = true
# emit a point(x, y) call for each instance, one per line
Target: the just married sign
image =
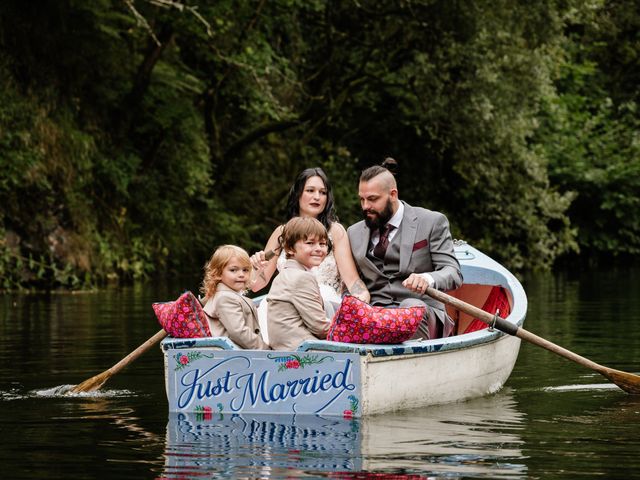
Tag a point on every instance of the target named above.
point(210, 381)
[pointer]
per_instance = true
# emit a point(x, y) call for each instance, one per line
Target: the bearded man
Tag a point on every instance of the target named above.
point(400, 250)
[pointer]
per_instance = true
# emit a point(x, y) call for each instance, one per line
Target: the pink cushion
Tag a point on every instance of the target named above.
point(359, 322)
point(183, 318)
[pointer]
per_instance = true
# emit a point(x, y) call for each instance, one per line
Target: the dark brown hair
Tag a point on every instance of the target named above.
point(301, 228)
point(328, 215)
point(388, 165)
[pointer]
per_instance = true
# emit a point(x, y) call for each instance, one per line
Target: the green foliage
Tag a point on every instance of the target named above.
point(589, 132)
point(451, 91)
point(135, 137)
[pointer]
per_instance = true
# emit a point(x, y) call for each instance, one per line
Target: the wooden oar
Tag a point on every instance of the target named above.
point(628, 382)
point(94, 383)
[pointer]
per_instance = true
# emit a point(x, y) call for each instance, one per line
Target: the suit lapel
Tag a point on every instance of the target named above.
point(360, 250)
point(248, 303)
point(408, 229)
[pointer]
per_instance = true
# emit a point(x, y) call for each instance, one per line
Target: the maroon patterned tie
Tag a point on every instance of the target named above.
point(381, 247)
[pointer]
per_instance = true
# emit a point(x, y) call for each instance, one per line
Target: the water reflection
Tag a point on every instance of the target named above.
point(479, 438)
point(582, 433)
point(257, 445)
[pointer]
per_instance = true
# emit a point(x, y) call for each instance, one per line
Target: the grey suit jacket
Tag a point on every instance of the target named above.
point(295, 312)
point(425, 246)
point(235, 316)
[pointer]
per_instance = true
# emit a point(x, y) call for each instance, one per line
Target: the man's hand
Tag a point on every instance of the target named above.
point(418, 282)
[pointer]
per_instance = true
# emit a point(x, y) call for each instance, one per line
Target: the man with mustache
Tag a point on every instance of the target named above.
point(400, 250)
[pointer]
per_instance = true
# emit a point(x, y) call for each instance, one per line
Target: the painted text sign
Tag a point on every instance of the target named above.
point(206, 380)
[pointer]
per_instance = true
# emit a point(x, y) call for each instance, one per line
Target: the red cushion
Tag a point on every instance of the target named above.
point(183, 318)
point(359, 322)
point(497, 300)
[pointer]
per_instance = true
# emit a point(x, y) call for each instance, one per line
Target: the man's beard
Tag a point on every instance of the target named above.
point(380, 219)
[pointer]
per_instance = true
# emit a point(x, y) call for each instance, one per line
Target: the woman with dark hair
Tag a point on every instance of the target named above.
point(311, 196)
point(326, 216)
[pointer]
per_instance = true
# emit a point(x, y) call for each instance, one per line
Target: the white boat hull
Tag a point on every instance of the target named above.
point(393, 383)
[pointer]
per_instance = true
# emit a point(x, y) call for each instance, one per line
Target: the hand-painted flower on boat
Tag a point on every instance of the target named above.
point(183, 360)
point(293, 362)
point(354, 403)
point(207, 413)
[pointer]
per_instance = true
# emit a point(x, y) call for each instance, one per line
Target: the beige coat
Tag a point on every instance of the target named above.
point(235, 316)
point(295, 312)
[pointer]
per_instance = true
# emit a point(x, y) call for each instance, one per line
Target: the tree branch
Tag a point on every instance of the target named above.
point(260, 132)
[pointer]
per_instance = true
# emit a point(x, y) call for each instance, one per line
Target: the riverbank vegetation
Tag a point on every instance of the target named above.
point(136, 135)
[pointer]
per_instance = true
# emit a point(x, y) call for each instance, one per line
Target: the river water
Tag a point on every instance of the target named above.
point(553, 419)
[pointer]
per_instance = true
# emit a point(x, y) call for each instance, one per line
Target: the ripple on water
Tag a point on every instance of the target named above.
point(582, 387)
point(12, 394)
point(62, 391)
point(65, 391)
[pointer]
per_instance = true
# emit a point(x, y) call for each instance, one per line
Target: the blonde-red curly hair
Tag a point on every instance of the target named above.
point(214, 267)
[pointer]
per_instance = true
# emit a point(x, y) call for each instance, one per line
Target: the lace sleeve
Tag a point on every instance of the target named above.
point(327, 274)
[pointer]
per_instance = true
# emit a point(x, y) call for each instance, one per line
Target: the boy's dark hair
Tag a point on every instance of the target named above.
point(301, 228)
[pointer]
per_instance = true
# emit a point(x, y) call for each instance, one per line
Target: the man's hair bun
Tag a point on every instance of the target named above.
point(390, 164)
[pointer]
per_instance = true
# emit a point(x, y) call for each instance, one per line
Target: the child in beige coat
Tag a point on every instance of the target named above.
point(296, 312)
point(231, 314)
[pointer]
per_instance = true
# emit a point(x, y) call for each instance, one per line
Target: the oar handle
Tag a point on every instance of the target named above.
point(268, 255)
point(97, 381)
point(138, 351)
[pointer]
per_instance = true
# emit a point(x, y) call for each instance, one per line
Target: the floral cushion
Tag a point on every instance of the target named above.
point(359, 322)
point(183, 318)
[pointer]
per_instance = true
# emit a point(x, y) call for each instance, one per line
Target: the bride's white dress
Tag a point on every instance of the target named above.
point(330, 289)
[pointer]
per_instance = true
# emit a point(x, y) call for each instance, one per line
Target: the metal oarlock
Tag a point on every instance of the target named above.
point(492, 325)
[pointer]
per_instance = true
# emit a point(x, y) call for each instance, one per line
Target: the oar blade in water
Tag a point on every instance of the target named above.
point(92, 384)
point(95, 382)
point(628, 382)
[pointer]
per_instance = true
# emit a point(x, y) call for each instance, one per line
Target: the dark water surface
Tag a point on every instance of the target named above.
point(554, 419)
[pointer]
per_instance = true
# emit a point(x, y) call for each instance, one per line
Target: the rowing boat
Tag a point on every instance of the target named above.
point(212, 376)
